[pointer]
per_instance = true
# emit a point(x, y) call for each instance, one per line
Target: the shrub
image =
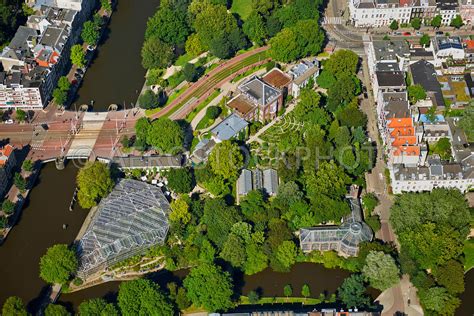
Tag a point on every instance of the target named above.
point(213, 112)
point(8, 207)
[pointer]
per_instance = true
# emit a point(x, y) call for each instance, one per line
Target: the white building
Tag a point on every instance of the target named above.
point(447, 47)
point(437, 175)
point(302, 73)
point(448, 9)
point(376, 13)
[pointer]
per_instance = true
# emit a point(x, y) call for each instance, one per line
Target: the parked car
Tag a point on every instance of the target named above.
point(79, 71)
point(9, 121)
point(90, 48)
point(418, 33)
point(439, 33)
point(397, 33)
point(406, 33)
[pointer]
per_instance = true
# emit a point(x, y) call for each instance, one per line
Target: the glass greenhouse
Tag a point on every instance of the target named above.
point(133, 217)
point(344, 239)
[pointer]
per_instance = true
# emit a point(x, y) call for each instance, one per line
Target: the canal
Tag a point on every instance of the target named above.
point(40, 226)
point(268, 283)
point(116, 75)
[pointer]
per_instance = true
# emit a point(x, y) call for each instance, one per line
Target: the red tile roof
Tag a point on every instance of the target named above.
point(5, 153)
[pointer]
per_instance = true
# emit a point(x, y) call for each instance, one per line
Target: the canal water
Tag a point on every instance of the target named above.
point(40, 226)
point(116, 75)
point(268, 283)
point(467, 301)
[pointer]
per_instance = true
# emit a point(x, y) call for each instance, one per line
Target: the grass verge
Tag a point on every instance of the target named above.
point(469, 254)
point(242, 7)
point(201, 106)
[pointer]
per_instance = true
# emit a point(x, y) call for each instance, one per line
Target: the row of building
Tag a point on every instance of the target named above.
point(410, 129)
point(376, 13)
point(39, 52)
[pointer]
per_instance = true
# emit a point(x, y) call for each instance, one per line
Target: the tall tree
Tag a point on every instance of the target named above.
point(143, 297)
point(437, 299)
point(56, 310)
point(169, 25)
point(226, 159)
point(219, 218)
point(436, 21)
point(94, 182)
point(90, 33)
point(380, 270)
point(467, 121)
point(78, 56)
point(209, 287)
point(166, 136)
point(58, 264)
point(156, 53)
point(416, 23)
point(451, 276)
point(416, 93)
point(286, 254)
point(97, 307)
point(181, 180)
point(341, 63)
point(142, 127)
point(180, 211)
point(14, 306)
point(352, 292)
point(457, 22)
point(394, 25)
point(254, 28)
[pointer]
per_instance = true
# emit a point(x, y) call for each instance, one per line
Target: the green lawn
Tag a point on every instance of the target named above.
point(183, 60)
point(173, 96)
point(216, 78)
point(242, 8)
point(469, 254)
point(201, 106)
point(281, 300)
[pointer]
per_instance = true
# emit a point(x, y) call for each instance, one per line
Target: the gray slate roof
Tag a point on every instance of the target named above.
point(424, 73)
point(259, 91)
point(230, 127)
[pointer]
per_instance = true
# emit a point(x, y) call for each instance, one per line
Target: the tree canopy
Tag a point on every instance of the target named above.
point(466, 122)
point(97, 307)
point(169, 25)
point(181, 180)
point(94, 182)
point(156, 53)
point(226, 159)
point(209, 287)
point(302, 40)
point(352, 292)
point(143, 297)
point(416, 93)
point(165, 135)
point(58, 264)
point(90, 32)
point(380, 270)
point(56, 310)
point(14, 306)
point(78, 56)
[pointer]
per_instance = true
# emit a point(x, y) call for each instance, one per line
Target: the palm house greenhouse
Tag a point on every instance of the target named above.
point(133, 217)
